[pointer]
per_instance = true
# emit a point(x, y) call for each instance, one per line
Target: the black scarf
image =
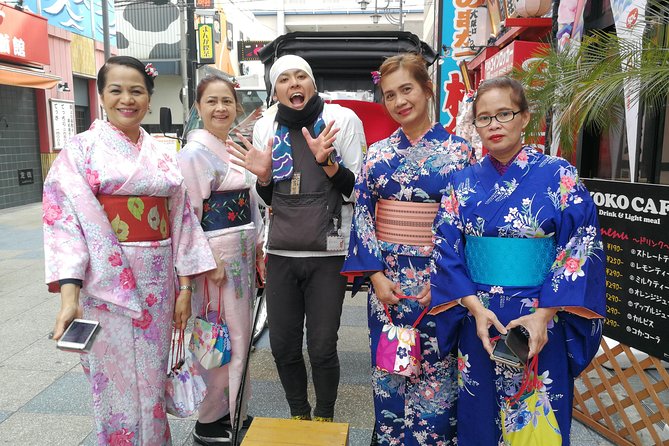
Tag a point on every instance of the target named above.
point(296, 119)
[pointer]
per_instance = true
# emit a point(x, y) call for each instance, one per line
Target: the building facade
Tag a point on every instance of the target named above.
point(50, 52)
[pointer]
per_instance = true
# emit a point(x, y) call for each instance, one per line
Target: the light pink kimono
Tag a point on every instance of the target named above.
point(205, 166)
point(128, 287)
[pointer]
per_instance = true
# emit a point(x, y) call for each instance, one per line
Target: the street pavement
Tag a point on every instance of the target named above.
point(45, 397)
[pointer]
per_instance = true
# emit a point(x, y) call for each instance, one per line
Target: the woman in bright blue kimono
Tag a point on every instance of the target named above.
point(397, 197)
point(517, 243)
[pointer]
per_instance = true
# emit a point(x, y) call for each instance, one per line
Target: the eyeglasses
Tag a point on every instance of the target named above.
point(503, 116)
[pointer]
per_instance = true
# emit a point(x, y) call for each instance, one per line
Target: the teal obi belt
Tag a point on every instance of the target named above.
point(522, 262)
point(227, 209)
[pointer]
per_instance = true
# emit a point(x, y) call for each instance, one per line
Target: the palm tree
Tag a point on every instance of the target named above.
point(585, 82)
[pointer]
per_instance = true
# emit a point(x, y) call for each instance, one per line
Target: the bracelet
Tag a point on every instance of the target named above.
point(190, 288)
point(263, 183)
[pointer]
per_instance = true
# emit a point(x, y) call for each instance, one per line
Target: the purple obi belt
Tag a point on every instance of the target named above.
point(226, 209)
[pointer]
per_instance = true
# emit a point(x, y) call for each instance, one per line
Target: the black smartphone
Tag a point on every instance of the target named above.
point(79, 335)
point(519, 343)
point(503, 354)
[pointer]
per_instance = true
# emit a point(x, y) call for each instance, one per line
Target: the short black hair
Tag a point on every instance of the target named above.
point(504, 83)
point(128, 62)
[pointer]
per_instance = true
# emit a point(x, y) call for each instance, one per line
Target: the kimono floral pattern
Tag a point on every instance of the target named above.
point(205, 166)
point(421, 410)
point(538, 196)
point(127, 287)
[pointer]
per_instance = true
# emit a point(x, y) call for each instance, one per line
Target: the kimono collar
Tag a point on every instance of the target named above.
point(500, 167)
point(209, 140)
point(437, 131)
point(214, 144)
point(498, 188)
point(121, 134)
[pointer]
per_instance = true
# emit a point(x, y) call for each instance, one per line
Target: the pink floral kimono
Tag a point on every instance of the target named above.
point(129, 287)
point(205, 166)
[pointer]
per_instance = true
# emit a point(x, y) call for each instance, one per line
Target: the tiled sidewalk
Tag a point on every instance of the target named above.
point(44, 395)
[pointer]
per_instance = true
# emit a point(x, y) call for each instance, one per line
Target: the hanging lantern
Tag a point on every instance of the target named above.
point(530, 8)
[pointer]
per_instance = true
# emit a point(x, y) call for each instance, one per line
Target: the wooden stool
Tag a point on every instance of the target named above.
point(279, 431)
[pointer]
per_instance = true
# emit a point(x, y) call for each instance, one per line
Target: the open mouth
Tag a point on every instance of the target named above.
point(297, 99)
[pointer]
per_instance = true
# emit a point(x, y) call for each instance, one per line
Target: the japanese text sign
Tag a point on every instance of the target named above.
point(205, 38)
point(634, 219)
point(23, 37)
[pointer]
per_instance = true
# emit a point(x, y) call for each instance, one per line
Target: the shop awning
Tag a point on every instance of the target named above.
point(25, 77)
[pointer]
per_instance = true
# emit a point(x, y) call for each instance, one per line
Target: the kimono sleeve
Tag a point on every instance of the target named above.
point(449, 278)
point(577, 279)
point(196, 176)
point(66, 252)
point(191, 251)
point(364, 254)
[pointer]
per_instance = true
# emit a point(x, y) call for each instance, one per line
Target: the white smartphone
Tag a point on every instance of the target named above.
point(79, 335)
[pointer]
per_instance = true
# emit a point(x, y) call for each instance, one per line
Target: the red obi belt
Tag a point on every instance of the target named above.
point(226, 209)
point(405, 222)
point(134, 218)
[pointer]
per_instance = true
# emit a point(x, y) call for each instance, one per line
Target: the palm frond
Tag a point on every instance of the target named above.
point(585, 83)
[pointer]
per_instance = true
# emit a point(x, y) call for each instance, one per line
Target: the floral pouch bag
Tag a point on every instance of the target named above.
point(210, 340)
point(185, 389)
point(527, 417)
point(398, 350)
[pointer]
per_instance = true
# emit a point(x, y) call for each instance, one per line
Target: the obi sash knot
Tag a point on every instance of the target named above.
point(226, 209)
point(137, 218)
point(405, 222)
point(523, 262)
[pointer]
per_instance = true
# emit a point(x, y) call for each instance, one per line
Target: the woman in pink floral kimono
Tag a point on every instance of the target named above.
point(118, 226)
point(224, 200)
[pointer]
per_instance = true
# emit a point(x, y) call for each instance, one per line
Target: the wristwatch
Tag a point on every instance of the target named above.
point(330, 160)
point(190, 288)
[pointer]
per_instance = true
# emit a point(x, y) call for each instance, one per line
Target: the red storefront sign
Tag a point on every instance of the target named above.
point(23, 37)
point(512, 55)
point(204, 4)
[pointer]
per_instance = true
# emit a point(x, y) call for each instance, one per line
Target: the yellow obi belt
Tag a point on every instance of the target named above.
point(405, 222)
point(137, 218)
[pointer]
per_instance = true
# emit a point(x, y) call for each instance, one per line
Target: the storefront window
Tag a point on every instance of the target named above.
point(82, 110)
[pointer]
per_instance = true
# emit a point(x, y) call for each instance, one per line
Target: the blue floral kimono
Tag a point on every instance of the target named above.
point(538, 196)
point(409, 411)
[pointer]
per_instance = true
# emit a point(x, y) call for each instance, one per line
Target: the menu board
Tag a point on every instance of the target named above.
point(62, 122)
point(634, 221)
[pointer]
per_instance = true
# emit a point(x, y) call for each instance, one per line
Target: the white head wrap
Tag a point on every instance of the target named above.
point(285, 63)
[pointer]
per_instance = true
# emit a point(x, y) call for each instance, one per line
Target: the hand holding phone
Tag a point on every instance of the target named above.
point(503, 354)
point(518, 342)
point(79, 336)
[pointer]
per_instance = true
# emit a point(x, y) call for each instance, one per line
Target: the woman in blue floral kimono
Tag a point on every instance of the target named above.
point(517, 243)
point(397, 197)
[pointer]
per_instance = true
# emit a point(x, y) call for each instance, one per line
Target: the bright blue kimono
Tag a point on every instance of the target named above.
point(538, 196)
point(408, 411)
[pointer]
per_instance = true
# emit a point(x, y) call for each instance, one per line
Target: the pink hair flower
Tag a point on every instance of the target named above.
point(151, 70)
point(376, 77)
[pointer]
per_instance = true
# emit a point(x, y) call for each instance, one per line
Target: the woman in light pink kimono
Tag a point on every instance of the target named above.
point(123, 259)
point(224, 199)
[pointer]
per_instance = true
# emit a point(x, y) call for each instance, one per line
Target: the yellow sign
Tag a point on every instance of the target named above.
point(205, 32)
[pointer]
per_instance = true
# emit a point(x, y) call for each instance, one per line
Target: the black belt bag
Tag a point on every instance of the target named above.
point(300, 222)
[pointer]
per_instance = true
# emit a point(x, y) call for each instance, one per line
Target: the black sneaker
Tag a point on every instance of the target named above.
point(247, 422)
point(225, 421)
point(212, 434)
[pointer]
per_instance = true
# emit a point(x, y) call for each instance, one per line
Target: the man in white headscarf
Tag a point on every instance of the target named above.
point(306, 154)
